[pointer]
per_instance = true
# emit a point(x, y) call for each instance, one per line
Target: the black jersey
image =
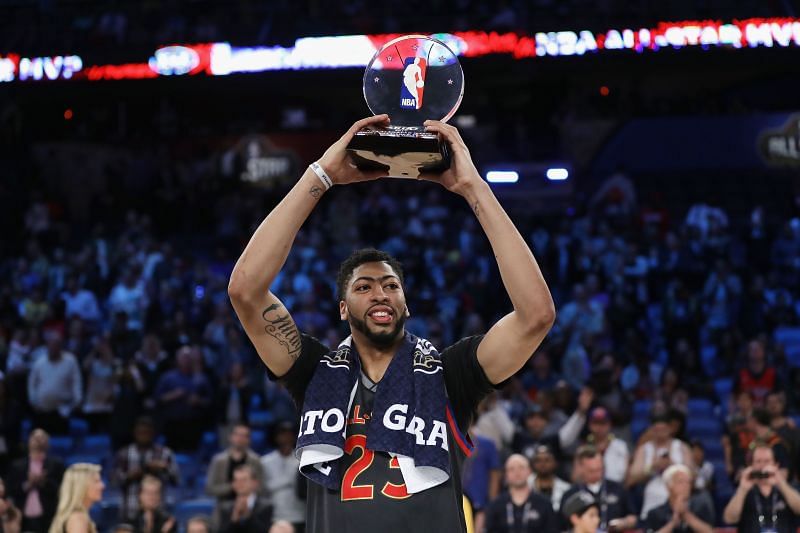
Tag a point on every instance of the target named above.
point(372, 496)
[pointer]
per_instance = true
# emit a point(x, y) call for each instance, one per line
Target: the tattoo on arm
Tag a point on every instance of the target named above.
point(281, 326)
point(475, 209)
point(315, 191)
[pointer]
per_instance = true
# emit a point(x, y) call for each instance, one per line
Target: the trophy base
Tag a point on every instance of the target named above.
point(403, 152)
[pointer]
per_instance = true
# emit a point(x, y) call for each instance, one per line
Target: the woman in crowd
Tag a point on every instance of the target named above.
point(80, 489)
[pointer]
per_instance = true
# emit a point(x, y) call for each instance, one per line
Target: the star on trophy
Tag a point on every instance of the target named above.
point(412, 79)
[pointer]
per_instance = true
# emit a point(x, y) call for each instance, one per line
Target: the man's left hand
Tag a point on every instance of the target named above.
point(462, 174)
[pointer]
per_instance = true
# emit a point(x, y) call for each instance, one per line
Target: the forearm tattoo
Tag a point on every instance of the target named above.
point(281, 326)
point(475, 209)
point(315, 191)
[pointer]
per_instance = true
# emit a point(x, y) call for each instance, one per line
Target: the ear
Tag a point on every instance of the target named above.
point(342, 309)
point(407, 313)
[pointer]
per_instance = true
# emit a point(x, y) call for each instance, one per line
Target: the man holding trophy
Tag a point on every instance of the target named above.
point(384, 415)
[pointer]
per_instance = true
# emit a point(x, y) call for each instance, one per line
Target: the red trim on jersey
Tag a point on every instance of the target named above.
point(464, 443)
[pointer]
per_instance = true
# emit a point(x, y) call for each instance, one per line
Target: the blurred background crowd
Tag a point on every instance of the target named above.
point(672, 367)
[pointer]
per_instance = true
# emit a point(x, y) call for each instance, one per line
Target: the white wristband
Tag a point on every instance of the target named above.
point(321, 174)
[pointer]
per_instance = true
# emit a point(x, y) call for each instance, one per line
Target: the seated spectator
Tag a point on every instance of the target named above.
point(764, 500)
point(683, 511)
point(151, 364)
point(184, 396)
point(615, 451)
point(10, 516)
point(481, 476)
point(152, 517)
point(617, 511)
point(247, 512)
point(784, 427)
point(33, 483)
point(233, 399)
point(494, 423)
point(54, 386)
point(281, 526)
point(759, 425)
point(544, 480)
point(100, 367)
point(538, 374)
point(198, 524)
point(80, 302)
point(143, 457)
point(536, 420)
point(220, 470)
point(582, 512)
point(520, 509)
point(652, 458)
point(704, 470)
point(738, 436)
point(280, 476)
point(757, 377)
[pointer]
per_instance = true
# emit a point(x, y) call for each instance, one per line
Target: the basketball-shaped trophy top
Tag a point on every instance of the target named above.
point(413, 79)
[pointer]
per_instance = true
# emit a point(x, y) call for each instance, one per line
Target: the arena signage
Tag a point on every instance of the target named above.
point(782, 147)
point(355, 51)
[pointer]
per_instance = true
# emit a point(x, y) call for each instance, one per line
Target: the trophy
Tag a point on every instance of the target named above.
point(412, 79)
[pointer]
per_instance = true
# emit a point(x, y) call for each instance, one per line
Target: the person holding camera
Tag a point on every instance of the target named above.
point(764, 500)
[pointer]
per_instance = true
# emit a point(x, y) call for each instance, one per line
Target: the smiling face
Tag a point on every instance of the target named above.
point(374, 304)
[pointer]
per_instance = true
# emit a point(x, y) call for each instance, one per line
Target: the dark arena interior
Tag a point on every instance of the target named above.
point(648, 152)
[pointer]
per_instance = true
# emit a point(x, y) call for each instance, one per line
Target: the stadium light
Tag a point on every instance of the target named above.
point(557, 174)
point(502, 176)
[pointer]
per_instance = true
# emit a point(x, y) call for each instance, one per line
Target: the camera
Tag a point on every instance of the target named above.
point(759, 474)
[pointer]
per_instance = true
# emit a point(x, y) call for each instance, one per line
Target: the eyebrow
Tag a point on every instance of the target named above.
point(369, 278)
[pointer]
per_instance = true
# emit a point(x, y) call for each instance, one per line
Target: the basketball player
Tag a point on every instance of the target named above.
point(394, 465)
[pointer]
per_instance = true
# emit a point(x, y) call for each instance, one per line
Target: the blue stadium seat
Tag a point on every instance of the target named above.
point(260, 418)
point(83, 458)
point(789, 337)
point(703, 426)
point(187, 509)
point(188, 468)
point(638, 425)
point(105, 514)
point(61, 446)
point(258, 440)
point(723, 387)
point(700, 407)
point(642, 408)
point(708, 359)
point(96, 444)
point(713, 448)
point(78, 428)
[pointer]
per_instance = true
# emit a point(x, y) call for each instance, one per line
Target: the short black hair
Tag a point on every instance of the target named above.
point(358, 258)
point(761, 416)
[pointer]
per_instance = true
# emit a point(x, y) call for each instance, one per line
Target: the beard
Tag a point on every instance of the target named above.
point(382, 339)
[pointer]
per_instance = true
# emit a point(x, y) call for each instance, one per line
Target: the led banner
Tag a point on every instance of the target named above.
point(355, 51)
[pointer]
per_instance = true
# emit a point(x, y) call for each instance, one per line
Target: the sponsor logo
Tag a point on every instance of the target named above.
point(781, 147)
point(174, 60)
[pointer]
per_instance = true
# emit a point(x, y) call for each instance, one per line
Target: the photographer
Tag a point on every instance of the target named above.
point(764, 500)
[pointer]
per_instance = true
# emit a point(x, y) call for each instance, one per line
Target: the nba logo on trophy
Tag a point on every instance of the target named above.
point(413, 83)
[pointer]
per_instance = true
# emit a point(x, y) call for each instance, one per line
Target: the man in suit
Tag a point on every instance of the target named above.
point(33, 483)
point(247, 512)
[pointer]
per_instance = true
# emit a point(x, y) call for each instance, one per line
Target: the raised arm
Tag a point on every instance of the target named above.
point(514, 338)
point(268, 323)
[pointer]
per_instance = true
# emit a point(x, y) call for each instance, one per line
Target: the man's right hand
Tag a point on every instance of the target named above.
point(336, 161)
point(745, 483)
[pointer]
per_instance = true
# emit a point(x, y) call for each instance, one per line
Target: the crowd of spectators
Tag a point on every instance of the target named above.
point(118, 312)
